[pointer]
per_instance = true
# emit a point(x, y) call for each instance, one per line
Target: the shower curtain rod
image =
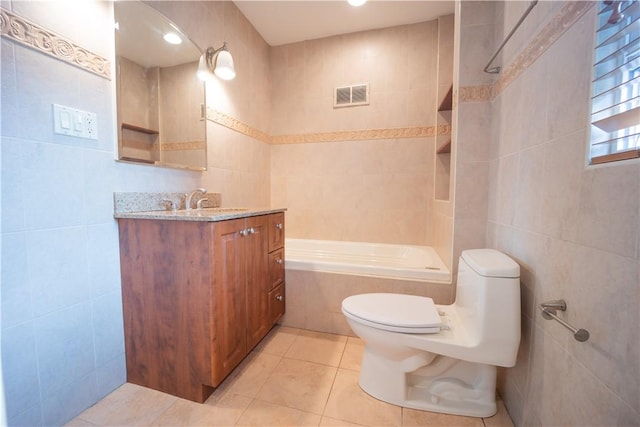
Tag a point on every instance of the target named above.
point(496, 70)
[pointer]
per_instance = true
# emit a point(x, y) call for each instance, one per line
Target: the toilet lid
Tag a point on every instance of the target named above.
point(394, 312)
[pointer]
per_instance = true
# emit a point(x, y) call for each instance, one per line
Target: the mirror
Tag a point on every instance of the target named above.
point(161, 110)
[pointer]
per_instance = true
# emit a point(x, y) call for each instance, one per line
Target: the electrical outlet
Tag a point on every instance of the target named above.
point(90, 126)
point(73, 122)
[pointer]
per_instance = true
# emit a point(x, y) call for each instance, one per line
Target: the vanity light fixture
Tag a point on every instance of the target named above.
point(219, 61)
point(357, 3)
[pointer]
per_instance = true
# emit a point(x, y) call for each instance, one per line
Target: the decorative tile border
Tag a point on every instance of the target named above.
point(181, 146)
point(34, 36)
point(475, 93)
point(353, 135)
point(568, 15)
point(360, 135)
point(235, 124)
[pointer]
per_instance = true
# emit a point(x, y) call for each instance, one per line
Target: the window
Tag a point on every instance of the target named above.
point(615, 102)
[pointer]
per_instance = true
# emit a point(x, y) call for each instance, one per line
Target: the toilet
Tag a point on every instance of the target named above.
point(442, 358)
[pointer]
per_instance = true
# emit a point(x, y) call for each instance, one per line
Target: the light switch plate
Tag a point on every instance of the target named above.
point(74, 122)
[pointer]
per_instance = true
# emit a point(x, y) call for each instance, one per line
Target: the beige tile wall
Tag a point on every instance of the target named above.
point(472, 129)
point(238, 166)
point(361, 190)
point(371, 191)
point(573, 229)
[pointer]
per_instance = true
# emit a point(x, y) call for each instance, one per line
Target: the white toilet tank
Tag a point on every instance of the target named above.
point(488, 303)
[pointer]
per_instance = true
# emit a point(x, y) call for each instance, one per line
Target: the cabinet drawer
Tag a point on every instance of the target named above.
point(276, 303)
point(276, 231)
point(276, 267)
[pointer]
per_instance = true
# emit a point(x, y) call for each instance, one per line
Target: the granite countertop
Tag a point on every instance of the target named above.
point(204, 214)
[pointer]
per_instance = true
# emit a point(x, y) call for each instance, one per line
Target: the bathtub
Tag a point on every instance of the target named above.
point(319, 274)
point(403, 262)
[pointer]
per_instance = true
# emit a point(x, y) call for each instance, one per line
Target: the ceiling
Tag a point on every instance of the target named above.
point(283, 22)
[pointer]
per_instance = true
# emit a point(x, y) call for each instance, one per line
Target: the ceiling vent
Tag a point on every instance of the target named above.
point(350, 96)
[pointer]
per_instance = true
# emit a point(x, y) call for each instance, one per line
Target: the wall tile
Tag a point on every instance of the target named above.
point(478, 13)
point(65, 347)
point(533, 122)
point(568, 90)
point(509, 128)
point(100, 178)
point(57, 263)
point(62, 405)
point(529, 192)
point(16, 290)
point(507, 189)
point(474, 137)
point(20, 370)
point(607, 194)
point(103, 256)
point(471, 202)
point(108, 327)
point(12, 188)
point(110, 376)
point(32, 417)
point(41, 82)
point(362, 190)
point(476, 43)
point(555, 276)
point(8, 83)
point(82, 21)
point(561, 182)
point(600, 281)
point(53, 169)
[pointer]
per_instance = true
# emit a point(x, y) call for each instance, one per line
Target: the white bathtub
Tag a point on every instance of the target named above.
point(405, 262)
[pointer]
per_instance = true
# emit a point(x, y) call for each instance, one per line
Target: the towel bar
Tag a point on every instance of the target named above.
point(496, 70)
point(549, 312)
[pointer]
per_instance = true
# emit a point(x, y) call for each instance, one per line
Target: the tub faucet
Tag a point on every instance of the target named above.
point(190, 196)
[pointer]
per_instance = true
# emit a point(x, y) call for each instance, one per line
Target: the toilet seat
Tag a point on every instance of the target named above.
point(394, 312)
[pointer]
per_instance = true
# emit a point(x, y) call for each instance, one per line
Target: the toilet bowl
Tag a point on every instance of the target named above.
point(442, 358)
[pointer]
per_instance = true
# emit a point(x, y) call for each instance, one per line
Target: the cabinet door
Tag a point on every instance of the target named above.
point(229, 308)
point(276, 231)
point(257, 270)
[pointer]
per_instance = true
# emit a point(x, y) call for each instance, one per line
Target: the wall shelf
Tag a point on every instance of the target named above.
point(139, 129)
point(447, 101)
point(445, 148)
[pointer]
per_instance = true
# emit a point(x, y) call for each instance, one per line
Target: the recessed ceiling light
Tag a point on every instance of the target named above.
point(357, 2)
point(172, 38)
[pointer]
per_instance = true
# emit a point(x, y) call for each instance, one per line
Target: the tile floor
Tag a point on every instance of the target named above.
point(294, 377)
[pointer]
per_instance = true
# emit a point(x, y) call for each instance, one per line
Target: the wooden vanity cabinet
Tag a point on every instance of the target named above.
point(196, 299)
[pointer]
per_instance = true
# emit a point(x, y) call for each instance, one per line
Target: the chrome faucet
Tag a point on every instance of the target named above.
point(190, 196)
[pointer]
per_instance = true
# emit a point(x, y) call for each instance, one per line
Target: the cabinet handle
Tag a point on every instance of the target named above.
point(279, 261)
point(279, 226)
point(279, 297)
point(251, 230)
point(244, 232)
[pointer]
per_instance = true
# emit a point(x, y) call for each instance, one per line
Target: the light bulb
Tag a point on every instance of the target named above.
point(224, 65)
point(172, 38)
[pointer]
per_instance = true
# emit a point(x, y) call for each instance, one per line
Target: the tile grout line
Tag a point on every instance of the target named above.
point(333, 383)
